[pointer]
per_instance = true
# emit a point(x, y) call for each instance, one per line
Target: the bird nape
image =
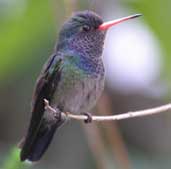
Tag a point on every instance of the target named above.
point(72, 80)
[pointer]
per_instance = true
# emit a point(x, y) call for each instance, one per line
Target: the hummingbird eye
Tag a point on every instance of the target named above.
point(86, 28)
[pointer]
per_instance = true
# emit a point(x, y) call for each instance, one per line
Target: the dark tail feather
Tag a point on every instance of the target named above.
point(41, 144)
point(33, 149)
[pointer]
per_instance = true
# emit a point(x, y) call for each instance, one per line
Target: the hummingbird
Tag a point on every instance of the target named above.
point(72, 79)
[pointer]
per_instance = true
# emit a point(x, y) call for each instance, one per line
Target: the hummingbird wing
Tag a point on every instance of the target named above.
point(38, 138)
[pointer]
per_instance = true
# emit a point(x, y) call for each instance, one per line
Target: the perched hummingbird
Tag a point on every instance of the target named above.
point(72, 80)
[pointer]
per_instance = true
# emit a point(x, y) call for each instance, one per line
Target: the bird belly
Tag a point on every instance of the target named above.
point(78, 92)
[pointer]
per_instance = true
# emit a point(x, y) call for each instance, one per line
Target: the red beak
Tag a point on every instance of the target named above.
point(107, 25)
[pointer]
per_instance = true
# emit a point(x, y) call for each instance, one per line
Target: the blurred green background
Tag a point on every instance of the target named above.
point(137, 56)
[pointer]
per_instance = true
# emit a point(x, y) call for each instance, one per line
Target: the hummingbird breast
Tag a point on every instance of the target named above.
point(79, 87)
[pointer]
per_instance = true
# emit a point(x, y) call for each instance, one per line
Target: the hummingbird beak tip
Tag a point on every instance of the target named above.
point(136, 15)
point(106, 25)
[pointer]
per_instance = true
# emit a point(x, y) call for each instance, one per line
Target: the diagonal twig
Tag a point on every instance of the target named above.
point(127, 115)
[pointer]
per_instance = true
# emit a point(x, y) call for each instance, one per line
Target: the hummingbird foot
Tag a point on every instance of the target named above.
point(57, 115)
point(89, 117)
point(53, 114)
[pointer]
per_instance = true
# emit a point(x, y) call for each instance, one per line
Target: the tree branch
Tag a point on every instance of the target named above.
point(127, 115)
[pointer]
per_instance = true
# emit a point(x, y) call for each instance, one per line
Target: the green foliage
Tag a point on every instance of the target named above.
point(22, 36)
point(13, 162)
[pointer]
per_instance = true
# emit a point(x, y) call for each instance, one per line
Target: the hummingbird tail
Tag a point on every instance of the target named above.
point(32, 149)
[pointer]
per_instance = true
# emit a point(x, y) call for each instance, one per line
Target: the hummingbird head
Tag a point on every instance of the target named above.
point(84, 33)
point(80, 34)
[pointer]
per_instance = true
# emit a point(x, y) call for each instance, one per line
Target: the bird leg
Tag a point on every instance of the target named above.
point(89, 117)
point(53, 114)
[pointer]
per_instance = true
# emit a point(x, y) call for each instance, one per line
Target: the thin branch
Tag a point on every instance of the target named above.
point(127, 115)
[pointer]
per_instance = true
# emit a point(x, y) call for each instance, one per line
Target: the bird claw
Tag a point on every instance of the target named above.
point(89, 117)
point(59, 116)
point(53, 113)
